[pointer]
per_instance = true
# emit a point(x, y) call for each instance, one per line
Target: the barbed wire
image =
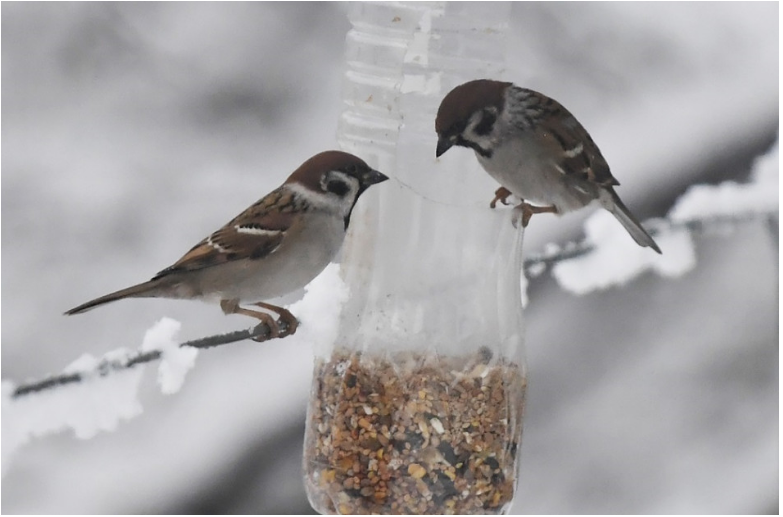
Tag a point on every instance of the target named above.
point(262, 332)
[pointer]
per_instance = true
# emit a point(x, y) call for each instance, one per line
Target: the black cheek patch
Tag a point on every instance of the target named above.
point(484, 127)
point(337, 187)
point(483, 152)
point(480, 150)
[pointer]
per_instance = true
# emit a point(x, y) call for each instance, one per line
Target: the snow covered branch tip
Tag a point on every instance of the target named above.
point(608, 258)
point(96, 394)
point(554, 254)
point(115, 362)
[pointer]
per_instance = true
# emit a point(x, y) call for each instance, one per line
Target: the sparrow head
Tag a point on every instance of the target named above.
point(333, 180)
point(467, 115)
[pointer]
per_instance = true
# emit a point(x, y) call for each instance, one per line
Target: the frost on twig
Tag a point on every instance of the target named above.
point(607, 257)
point(116, 363)
point(95, 394)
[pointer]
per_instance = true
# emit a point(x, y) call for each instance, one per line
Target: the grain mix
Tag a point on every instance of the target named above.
point(409, 433)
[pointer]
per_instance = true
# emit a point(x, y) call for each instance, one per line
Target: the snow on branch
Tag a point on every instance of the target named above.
point(607, 257)
point(93, 395)
point(116, 362)
point(601, 265)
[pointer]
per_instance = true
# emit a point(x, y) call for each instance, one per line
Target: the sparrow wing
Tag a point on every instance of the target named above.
point(580, 156)
point(254, 234)
point(558, 130)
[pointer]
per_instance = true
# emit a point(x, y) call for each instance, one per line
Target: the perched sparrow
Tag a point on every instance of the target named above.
point(534, 148)
point(274, 247)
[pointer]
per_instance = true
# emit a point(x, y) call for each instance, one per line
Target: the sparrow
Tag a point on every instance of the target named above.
point(276, 246)
point(533, 147)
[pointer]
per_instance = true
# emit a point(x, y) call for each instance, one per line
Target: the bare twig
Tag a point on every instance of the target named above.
point(260, 332)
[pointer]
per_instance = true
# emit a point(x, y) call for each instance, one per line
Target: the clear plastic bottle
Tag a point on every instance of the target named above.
point(417, 407)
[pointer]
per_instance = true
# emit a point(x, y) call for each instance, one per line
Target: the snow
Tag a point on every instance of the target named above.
point(95, 404)
point(319, 310)
point(104, 396)
point(616, 259)
point(175, 361)
point(680, 254)
point(536, 269)
point(760, 195)
point(100, 402)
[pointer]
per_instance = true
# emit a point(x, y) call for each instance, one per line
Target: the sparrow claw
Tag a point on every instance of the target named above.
point(288, 319)
point(525, 211)
point(501, 195)
point(266, 319)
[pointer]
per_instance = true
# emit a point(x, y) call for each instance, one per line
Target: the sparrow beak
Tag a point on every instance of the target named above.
point(444, 144)
point(372, 177)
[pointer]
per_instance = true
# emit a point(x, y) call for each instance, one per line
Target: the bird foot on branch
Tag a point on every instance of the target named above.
point(524, 211)
point(502, 194)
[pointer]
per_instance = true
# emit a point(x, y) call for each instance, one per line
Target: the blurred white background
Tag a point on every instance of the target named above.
point(131, 130)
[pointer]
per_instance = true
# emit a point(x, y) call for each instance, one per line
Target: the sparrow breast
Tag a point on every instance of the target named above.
point(521, 164)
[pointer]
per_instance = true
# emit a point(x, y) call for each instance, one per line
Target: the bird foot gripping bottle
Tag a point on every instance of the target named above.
point(417, 406)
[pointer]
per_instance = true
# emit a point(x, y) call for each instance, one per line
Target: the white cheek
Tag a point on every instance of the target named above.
point(326, 201)
point(352, 192)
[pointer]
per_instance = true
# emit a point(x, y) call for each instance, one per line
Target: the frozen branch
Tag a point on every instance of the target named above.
point(537, 264)
point(107, 366)
point(607, 257)
point(94, 395)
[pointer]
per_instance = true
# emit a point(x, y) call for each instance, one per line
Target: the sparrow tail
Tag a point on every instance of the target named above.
point(143, 290)
point(626, 218)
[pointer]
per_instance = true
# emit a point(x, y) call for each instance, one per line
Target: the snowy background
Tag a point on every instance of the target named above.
point(130, 131)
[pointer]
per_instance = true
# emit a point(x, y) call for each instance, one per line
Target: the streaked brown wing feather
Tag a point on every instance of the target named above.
point(588, 163)
point(254, 234)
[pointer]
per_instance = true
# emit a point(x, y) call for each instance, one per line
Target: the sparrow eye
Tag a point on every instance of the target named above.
point(337, 187)
point(351, 169)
